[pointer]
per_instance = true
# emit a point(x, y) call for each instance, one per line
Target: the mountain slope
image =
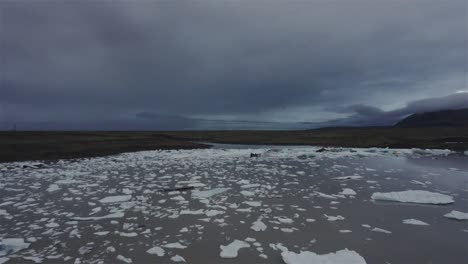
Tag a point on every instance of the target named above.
point(441, 118)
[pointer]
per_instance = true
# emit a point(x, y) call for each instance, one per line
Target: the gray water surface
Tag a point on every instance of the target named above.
point(42, 205)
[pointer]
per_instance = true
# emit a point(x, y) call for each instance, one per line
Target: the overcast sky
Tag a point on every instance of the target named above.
point(216, 64)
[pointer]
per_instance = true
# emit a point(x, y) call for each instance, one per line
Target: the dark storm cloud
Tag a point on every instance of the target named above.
point(363, 115)
point(88, 61)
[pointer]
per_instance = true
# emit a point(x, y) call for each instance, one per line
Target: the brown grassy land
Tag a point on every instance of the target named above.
point(18, 146)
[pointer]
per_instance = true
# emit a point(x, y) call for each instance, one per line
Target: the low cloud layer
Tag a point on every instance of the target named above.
point(228, 64)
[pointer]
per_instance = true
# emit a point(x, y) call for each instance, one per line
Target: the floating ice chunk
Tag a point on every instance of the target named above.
point(414, 222)
point(376, 229)
point(115, 199)
point(343, 178)
point(414, 196)
point(12, 245)
point(254, 204)
point(285, 220)
point(177, 258)
point(158, 251)
point(101, 233)
point(131, 234)
point(4, 212)
point(231, 250)
point(434, 152)
point(247, 193)
point(52, 225)
point(258, 226)
point(53, 188)
point(127, 191)
point(457, 215)
point(466, 153)
point(124, 259)
point(93, 218)
point(345, 231)
point(191, 212)
point(324, 195)
point(250, 185)
point(178, 198)
point(287, 230)
point(174, 245)
point(208, 193)
point(334, 218)
point(344, 256)
point(348, 191)
point(211, 213)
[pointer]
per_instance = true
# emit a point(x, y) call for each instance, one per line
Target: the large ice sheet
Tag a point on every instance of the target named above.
point(414, 196)
point(344, 256)
point(457, 215)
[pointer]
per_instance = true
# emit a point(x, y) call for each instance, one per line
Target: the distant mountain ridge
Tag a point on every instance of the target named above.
point(452, 118)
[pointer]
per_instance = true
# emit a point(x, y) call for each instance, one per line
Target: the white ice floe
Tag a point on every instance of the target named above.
point(376, 229)
point(254, 204)
point(208, 193)
point(231, 250)
point(348, 191)
point(466, 153)
point(414, 196)
point(158, 251)
point(12, 245)
point(285, 220)
point(53, 188)
point(176, 245)
point(344, 256)
point(247, 193)
point(101, 233)
point(124, 259)
point(177, 258)
point(258, 226)
point(4, 212)
point(211, 213)
point(334, 218)
point(94, 218)
point(457, 215)
point(115, 199)
point(414, 222)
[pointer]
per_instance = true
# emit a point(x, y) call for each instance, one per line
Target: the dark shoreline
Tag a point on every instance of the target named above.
point(53, 145)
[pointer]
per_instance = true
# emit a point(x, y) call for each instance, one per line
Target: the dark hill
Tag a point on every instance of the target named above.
point(436, 119)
